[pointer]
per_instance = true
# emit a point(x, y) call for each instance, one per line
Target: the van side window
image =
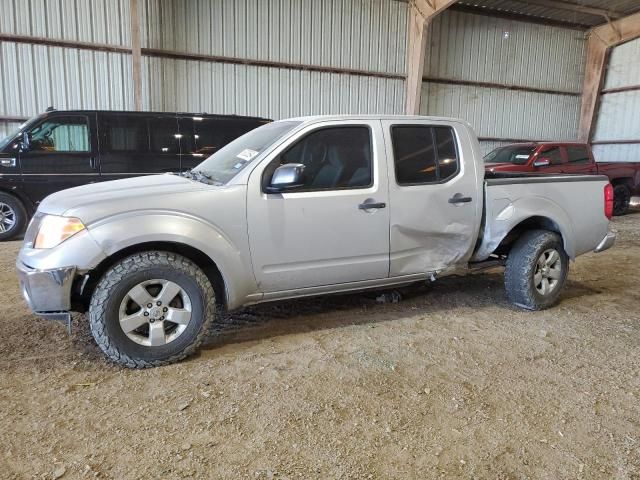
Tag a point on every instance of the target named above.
point(578, 155)
point(424, 154)
point(125, 134)
point(61, 134)
point(334, 158)
point(163, 135)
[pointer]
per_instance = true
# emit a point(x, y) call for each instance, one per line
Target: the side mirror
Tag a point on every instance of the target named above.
point(542, 162)
point(286, 177)
point(25, 143)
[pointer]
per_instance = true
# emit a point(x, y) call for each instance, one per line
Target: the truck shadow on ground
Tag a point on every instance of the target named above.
point(477, 292)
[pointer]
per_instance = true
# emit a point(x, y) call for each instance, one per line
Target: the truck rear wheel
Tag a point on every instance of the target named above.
point(13, 217)
point(536, 270)
point(621, 199)
point(151, 309)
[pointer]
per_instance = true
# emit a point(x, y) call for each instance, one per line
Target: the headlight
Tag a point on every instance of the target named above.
point(54, 230)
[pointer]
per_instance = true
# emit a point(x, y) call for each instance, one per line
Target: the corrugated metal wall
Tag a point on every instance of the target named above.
point(34, 77)
point(364, 35)
point(367, 35)
point(201, 86)
point(477, 49)
point(619, 112)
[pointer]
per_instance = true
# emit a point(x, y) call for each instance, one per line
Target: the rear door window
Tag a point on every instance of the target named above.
point(578, 155)
point(554, 154)
point(424, 154)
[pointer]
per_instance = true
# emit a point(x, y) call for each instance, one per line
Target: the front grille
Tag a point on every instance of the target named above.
point(32, 230)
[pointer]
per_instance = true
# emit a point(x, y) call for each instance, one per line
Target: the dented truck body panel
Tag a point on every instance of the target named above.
point(553, 200)
point(269, 246)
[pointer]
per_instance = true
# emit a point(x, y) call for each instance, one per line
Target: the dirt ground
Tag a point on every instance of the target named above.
point(451, 382)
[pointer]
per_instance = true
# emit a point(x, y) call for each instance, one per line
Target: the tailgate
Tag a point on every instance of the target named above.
point(570, 204)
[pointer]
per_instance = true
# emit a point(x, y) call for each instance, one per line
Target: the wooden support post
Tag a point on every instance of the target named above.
point(421, 12)
point(593, 78)
point(136, 55)
point(601, 40)
point(416, 51)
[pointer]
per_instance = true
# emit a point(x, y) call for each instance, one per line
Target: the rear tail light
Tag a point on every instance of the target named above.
point(608, 201)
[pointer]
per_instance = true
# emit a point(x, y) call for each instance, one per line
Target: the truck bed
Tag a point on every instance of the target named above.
point(576, 210)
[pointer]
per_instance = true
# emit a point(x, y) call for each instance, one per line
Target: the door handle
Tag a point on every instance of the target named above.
point(458, 198)
point(92, 163)
point(367, 206)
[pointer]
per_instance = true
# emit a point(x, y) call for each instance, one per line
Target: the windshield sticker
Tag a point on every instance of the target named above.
point(239, 165)
point(247, 154)
point(523, 157)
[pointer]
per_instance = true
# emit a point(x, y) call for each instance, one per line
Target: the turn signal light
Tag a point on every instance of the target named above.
point(608, 200)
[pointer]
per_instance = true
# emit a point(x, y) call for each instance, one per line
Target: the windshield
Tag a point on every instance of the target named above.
point(225, 164)
point(5, 141)
point(518, 155)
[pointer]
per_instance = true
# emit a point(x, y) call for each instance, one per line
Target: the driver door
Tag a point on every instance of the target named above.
point(61, 154)
point(319, 234)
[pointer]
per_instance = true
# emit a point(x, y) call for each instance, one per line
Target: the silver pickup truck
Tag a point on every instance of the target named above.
point(301, 207)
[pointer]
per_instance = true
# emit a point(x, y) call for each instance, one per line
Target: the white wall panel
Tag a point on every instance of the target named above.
point(357, 34)
point(498, 113)
point(198, 86)
point(471, 48)
point(97, 21)
point(465, 46)
point(34, 77)
point(618, 115)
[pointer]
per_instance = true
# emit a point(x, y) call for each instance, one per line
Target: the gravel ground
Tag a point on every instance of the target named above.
point(450, 382)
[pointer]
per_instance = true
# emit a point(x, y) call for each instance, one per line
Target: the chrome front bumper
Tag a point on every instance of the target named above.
point(47, 292)
point(606, 243)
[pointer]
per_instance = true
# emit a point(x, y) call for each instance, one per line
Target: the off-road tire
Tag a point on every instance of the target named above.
point(20, 216)
point(621, 200)
point(521, 266)
point(111, 289)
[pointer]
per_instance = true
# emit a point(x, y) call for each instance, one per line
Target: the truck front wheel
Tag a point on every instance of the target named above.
point(536, 270)
point(621, 199)
point(150, 309)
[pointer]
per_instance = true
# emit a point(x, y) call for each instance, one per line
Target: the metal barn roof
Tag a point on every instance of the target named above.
point(581, 13)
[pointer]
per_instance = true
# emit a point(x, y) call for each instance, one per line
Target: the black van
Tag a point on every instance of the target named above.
point(66, 148)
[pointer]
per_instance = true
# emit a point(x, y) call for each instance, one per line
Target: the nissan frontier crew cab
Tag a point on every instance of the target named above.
point(301, 207)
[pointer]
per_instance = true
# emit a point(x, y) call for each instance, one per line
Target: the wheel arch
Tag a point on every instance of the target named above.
point(85, 285)
point(626, 181)
point(535, 222)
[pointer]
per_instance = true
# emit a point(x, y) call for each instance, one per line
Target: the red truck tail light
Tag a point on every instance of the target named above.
point(608, 200)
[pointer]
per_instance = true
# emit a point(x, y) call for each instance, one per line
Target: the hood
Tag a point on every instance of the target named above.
point(95, 200)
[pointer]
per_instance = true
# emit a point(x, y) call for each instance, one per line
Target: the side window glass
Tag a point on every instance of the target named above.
point(163, 135)
point(62, 134)
point(578, 155)
point(424, 154)
point(334, 158)
point(125, 134)
point(553, 154)
point(205, 136)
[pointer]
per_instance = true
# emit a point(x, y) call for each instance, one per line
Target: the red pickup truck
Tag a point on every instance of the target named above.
point(567, 157)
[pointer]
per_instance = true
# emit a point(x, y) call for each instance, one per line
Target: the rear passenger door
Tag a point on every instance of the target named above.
point(62, 154)
point(138, 144)
point(433, 196)
point(203, 136)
